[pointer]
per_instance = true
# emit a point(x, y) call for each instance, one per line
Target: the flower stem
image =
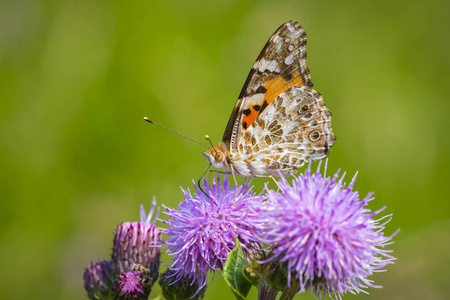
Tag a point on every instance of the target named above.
point(266, 292)
point(290, 291)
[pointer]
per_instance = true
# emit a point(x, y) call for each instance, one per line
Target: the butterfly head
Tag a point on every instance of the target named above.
point(217, 156)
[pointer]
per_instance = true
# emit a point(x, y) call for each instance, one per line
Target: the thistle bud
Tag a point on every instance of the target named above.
point(98, 280)
point(189, 287)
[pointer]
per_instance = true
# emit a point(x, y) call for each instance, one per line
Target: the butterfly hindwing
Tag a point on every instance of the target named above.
point(294, 129)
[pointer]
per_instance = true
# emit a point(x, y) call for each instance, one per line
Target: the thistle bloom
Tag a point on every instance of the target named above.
point(136, 252)
point(134, 285)
point(325, 235)
point(98, 280)
point(203, 230)
point(129, 283)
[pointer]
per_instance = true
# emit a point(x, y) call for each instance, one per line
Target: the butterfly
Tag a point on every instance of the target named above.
point(279, 121)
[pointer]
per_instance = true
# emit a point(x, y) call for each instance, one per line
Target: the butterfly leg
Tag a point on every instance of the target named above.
point(234, 177)
point(218, 172)
point(235, 184)
point(271, 177)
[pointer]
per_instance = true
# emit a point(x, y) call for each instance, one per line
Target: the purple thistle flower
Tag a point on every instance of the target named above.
point(129, 283)
point(137, 244)
point(325, 235)
point(134, 285)
point(203, 230)
point(98, 279)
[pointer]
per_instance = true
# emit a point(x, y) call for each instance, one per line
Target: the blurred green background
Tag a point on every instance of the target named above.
point(76, 157)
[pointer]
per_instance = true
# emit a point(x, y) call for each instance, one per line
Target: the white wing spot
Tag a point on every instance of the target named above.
point(289, 60)
point(291, 47)
point(287, 40)
point(295, 33)
point(289, 26)
point(279, 45)
point(271, 65)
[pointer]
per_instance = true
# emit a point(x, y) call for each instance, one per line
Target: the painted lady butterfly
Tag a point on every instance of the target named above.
point(279, 121)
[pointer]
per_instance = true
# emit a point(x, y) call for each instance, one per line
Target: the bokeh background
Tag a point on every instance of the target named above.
point(76, 157)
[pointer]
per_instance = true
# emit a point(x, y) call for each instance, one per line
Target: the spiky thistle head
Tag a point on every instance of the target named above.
point(204, 228)
point(324, 234)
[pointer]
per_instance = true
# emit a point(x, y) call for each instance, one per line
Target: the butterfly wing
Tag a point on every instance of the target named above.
point(280, 65)
point(294, 129)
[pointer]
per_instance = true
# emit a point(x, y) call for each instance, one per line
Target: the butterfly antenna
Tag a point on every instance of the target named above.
point(212, 145)
point(150, 121)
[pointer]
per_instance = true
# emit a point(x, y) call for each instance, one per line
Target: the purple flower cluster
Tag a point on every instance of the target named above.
point(325, 234)
point(318, 236)
point(315, 226)
point(204, 228)
point(134, 263)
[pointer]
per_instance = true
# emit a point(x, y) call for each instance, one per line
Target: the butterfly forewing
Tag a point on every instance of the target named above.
point(280, 65)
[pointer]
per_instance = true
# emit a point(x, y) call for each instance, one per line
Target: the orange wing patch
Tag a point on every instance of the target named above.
point(273, 87)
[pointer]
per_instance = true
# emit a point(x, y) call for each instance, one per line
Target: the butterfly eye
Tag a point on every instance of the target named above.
point(219, 156)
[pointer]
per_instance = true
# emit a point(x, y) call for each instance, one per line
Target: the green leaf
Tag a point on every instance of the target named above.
point(234, 273)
